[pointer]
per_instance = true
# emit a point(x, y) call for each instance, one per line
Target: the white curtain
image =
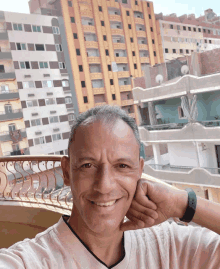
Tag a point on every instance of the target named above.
point(190, 109)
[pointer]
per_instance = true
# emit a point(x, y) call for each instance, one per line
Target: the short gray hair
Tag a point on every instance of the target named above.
point(107, 114)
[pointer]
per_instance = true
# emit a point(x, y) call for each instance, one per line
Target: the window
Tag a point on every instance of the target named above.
point(109, 68)
point(28, 84)
point(36, 28)
point(47, 83)
point(171, 26)
point(32, 103)
point(72, 19)
point(155, 53)
point(184, 28)
point(11, 127)
point(166, 51)
point(17, 27)
point(132, 40)
point(56, 30)
point(136, 3)
point(135, 66)
point(174, 50)
point(102, 23)
point(70, 3)
point(204, 30)
point(152, 41)
point(181, 50)
point(77, 51)
point(106, 52)
point(50, 101)
point(62, 65)
point(209, 32)
point(80, 68)
point(59, 47)
point(65, 83)
point(21, 46)
point(180, 112)
point(83, 84)
point(128, 13)
point(133, 53)
point(4, 88)
point(117, 54)
point(25, 65)
point(187, 51)
point(148, 4)
point(113, 97)
point(85, 99)
point(129, 26)
point(189, 28)
point(151, 29)
point(199, 29)
point(39, 140)
point(53, 119)
point(71, 117)
point(43, 65)
point(100, 8)
point(149, 16)
point(111, 82)
point(39, 47)
point(36, 122)
point(75, 35)
point(210, 41)
point(56, 137)
point(104, 37)
point(205, 40)
point(68, 100)
point(194, 29)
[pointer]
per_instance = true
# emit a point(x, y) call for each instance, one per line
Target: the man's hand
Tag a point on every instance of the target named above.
point(154, 202)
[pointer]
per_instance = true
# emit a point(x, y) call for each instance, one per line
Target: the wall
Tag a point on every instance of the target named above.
point(209, 62)
point(207, 155)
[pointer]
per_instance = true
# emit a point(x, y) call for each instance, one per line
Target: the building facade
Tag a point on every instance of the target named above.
point(109, 43)
point(181, 123)
point(36, 79)
point(186, 34)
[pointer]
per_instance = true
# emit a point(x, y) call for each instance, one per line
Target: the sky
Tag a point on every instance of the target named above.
point(179, 7)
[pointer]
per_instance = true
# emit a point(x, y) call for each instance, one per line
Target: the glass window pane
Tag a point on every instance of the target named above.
point(31, 84)
point(45, 65)
point(34, 28)
point(19, 27)
point(18, 46)
point(49, 83)
point(38, 122)
point(25, 85)
point(15, 26)
point(22, 65)
point(38, 29)
point(23, 46)
point(41, 64)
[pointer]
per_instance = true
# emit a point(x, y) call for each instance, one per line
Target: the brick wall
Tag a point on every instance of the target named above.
point(209, 61)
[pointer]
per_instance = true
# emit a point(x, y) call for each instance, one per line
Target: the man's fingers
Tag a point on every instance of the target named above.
point(132, 224)
point(143, 209)
point(148, 217)
point(141, 197)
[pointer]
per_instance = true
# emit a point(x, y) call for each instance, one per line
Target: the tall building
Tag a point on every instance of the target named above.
point(35, 99)
point(186, 34)
point(109, 44)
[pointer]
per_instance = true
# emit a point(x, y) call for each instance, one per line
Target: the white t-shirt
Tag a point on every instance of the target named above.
point(163, 246)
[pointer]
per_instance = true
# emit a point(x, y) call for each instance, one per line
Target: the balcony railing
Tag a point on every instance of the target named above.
point(91, 44)
point(14, 114)
point(89, 28)
point(114, 17)
point(167, 126)
point(210, 123)
point(17, 135)
point(24, 151)
point(98, 90)
point(8, 95)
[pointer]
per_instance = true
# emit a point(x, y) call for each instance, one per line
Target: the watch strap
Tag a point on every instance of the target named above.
point(191, 207)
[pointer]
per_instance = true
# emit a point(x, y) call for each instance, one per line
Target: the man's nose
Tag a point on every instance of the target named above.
point(104, 181)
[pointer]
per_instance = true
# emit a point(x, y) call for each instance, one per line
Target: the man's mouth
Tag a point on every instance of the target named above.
point(110, 203)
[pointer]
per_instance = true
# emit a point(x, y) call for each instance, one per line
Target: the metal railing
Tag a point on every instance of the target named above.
point(11, 112)
point(210, 123)
point(8, 91)
point(167, 126)
point(35, 180)
point(5, 50)
point(185, 169)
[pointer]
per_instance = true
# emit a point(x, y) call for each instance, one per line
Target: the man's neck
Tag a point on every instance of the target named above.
point(109, 249)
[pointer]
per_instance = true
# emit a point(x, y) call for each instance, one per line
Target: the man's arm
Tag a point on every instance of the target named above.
point(207, 213)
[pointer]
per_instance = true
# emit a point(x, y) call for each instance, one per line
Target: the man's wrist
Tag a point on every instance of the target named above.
point(182, 204)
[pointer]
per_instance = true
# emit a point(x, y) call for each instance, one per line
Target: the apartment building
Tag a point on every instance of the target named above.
point(34, 75)
point(186, 34)
point(181, 123)
point(109, 43)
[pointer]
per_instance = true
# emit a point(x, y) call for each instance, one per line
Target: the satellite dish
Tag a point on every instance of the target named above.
point(159, 79)
point(184, 69)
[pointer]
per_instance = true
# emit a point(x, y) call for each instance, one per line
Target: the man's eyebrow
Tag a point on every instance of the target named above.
point(121, 160)
point(86, 159)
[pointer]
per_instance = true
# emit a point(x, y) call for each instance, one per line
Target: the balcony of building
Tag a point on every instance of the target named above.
point(17, 134)
point(33, 195)
point(86, 14)
point(9, 94)
point(141, 33)
point(11, 115)
point(119, 46)
point(115, 17)
point(117, 31)
point(123, 74)
point(3, 34)
point(98, 90)
point(92, 44)
point(125, 88)
point(119, 59)
point(89, 28)
point(5, 54)
point(95, 71)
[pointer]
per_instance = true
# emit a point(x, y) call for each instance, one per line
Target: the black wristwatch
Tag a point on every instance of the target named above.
point(191, 208)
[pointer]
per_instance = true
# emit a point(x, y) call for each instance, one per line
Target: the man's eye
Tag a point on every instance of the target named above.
point(123, 165)
point(86, 165)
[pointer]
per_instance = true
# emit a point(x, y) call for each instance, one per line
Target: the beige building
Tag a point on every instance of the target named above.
point(186, 34)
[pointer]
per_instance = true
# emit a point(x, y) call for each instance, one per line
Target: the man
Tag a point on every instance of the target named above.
point(104, 171)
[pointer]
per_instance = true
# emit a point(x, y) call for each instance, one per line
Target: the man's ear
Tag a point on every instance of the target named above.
point(65, 165)
point(141, 166)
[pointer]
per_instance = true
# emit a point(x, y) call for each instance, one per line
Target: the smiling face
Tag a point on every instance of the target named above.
point(104, 166)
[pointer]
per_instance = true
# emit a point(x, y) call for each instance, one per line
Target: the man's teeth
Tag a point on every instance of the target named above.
point(105, 204)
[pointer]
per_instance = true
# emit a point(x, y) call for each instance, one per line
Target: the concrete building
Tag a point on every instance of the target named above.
point(181, 123)
point(109, 43)
point(186, 34)
point(34, 75)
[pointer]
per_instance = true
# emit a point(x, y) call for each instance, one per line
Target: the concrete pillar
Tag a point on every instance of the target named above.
point(157, 156)
point(197, 153)
point(152, 113)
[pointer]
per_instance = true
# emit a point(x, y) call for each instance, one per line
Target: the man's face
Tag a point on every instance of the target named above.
point(104, 166)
